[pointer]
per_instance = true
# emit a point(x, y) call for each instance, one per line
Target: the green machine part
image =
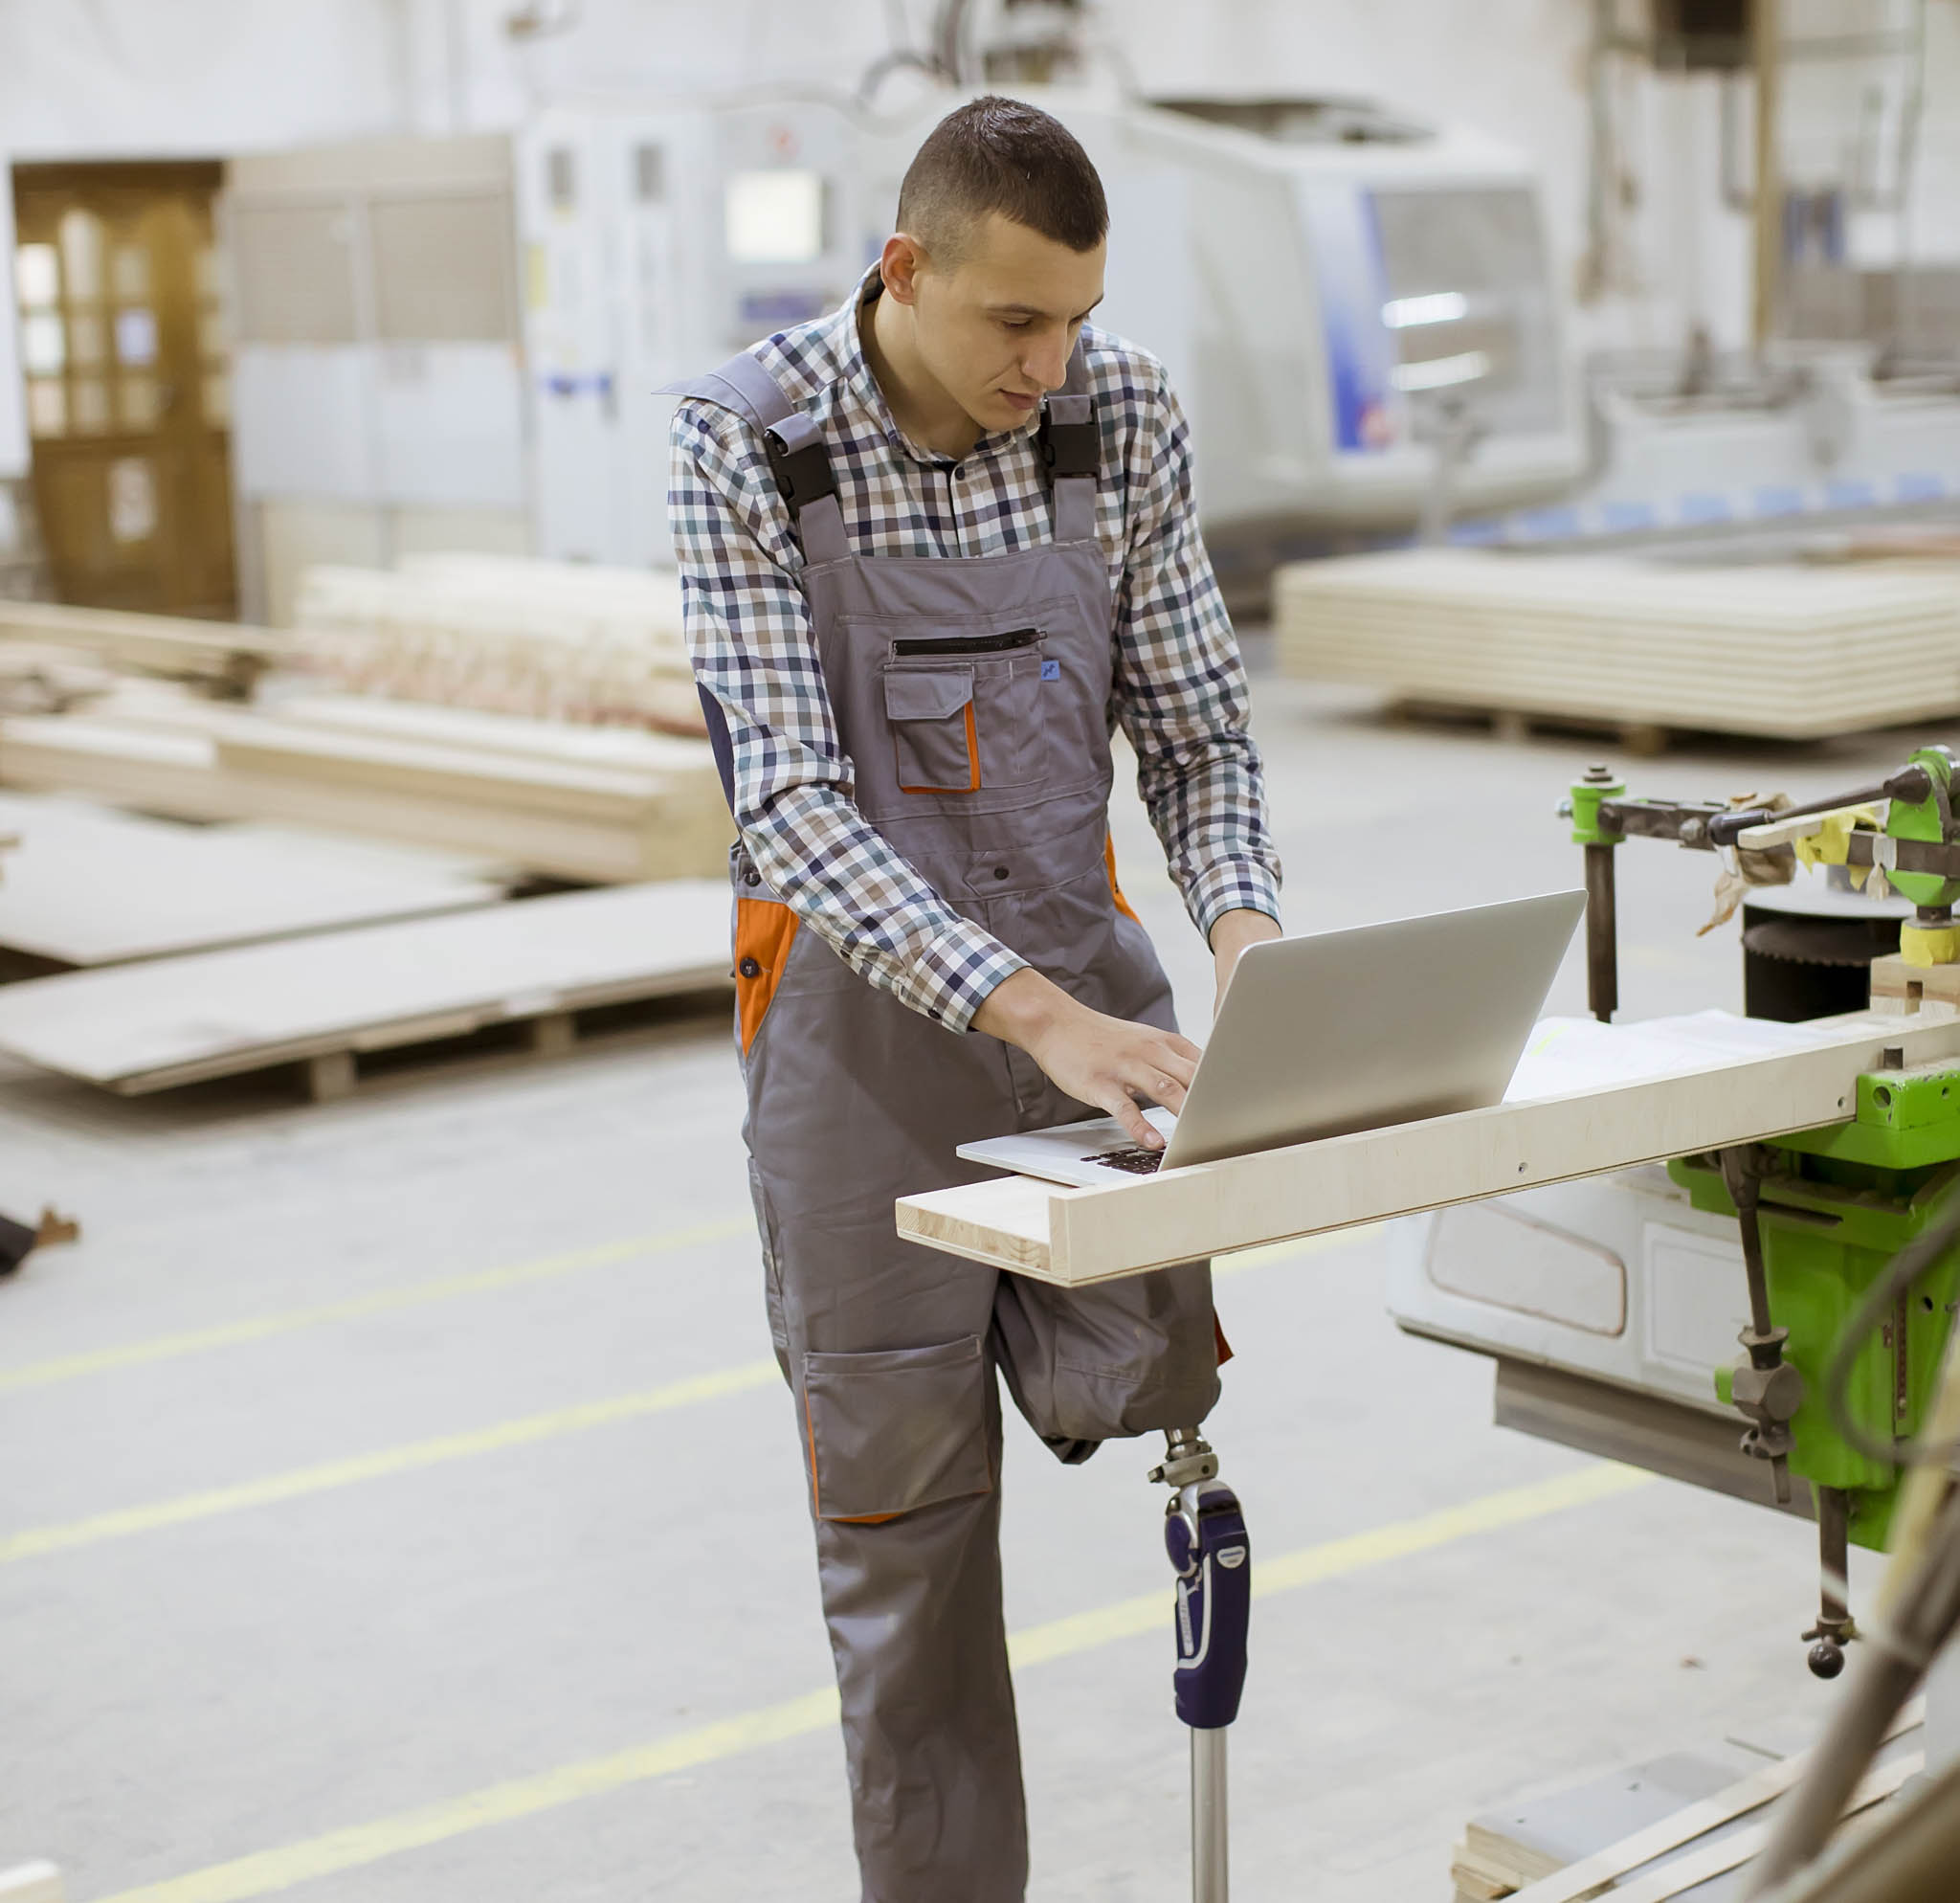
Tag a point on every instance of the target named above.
point(1925, 820)
point(1840, 1202)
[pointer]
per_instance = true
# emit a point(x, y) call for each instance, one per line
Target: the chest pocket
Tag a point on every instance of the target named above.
point(964, 713)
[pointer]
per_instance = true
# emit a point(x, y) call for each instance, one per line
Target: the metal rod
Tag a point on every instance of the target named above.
point(1765, 24)
point(1602, 935)
point(1208, 1881)
point(1834, 1554)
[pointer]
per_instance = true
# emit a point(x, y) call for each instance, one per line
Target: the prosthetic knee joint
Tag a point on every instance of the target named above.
point(1204, 1533)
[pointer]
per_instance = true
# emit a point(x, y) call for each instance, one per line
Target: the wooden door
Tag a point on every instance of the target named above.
point(127, 362)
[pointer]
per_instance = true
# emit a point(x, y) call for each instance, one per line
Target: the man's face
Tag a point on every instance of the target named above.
point(996, 331)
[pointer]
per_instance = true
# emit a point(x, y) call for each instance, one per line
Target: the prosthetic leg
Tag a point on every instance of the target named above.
point(1204, 1533)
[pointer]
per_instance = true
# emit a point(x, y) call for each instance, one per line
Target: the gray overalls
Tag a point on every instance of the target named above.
point(971, 697)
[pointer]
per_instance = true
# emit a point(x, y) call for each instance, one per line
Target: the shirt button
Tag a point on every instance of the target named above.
point(749, 969)
point(1000, 872)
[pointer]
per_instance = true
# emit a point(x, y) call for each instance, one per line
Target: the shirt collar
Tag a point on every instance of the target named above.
point(863, 385)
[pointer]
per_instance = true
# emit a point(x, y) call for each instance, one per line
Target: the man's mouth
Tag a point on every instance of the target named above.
point(1018, 401)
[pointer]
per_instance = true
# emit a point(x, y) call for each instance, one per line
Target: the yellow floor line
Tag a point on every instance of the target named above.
point(269, 1871)
point(257, 1328)
point(329, 1475)
point(387, 1461)
point(1300, 1245)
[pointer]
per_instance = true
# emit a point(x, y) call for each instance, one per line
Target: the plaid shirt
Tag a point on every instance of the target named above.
point(1179, 691)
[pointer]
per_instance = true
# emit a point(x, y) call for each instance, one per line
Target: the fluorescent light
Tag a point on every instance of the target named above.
point(1444, 307)
point(1434, 372)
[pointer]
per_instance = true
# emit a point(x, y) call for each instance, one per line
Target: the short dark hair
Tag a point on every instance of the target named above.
point(1001, 155)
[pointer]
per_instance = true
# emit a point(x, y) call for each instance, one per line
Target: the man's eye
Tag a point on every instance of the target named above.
point(1014, 322)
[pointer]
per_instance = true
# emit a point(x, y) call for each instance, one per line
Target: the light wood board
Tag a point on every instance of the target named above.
point(1078, 1236)
point(145, 1027)
point(1788, 650)
point(92, 886)
point(576, 803)
point(157, 643)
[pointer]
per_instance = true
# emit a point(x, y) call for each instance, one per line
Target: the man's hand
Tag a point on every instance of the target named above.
point(1232, 932)
point(1102, 1060)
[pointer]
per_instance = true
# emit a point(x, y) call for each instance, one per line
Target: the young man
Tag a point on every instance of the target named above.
point(919, 601)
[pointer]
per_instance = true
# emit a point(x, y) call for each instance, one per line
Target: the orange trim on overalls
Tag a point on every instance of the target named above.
point(1123, 905)
point(816, 1494)
point(972, 784)
point(762, 930)
point(1218, 1336)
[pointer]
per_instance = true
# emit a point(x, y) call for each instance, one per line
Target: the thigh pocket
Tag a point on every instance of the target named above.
point(896, 1430)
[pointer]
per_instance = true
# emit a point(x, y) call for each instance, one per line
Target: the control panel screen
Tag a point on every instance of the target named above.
point(775, 217)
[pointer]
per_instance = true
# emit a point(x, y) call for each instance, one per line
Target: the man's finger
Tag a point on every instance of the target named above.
point(1139, 1127)
point(1161, 1086)
point(1183, 1046)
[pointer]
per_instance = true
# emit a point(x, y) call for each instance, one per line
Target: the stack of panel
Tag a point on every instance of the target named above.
point(555, 640)
point(1794, 650)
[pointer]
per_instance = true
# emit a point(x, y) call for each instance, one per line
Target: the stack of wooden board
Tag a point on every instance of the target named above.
point(89, 886)
point(1679, 1829)
point(602, 804)
point(222, 655)
point(323, 1000)
point(1792, 650)
point(505, 635)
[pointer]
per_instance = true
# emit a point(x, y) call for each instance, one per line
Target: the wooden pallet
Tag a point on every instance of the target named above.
point(1643, 739)
point(326, 1001)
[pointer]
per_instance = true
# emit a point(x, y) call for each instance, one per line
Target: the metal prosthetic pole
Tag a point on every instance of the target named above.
point(1204, 1533)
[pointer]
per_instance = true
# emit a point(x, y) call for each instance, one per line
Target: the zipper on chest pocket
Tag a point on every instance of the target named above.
point(967, 644)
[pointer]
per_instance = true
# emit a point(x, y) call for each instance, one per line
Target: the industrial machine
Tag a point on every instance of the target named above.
point(1358, 306)
point(654, 241)
point(1607, 1303)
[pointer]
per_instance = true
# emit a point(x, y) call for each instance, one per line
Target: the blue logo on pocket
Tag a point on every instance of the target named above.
point(1051, 670)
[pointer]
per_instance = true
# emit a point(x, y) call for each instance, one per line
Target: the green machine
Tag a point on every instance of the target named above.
point(1841, 1355)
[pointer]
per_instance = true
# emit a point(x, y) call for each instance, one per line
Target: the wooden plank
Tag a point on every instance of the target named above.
point(1712, 1860)
point(90, 886)
point(663, 834)
point(145, 1027)
point(160, 643)
point(1093, 1235)
point(31, 1883)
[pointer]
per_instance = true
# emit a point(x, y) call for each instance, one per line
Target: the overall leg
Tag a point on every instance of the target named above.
point(886, 1346)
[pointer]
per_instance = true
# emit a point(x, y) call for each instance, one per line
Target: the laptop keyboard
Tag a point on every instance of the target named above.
point(1137, 1160)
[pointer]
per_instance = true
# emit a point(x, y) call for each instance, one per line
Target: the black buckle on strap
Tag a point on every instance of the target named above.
point(1069, 449)
point(803, 475)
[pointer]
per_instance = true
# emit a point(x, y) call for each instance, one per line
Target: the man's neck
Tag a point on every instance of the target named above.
point(922, 410)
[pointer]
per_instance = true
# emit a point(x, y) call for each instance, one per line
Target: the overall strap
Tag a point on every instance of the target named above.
point(801, 465)
point(799, 457)
point(1071, 448)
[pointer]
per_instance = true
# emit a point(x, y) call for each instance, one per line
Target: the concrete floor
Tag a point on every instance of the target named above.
point(322, 1573)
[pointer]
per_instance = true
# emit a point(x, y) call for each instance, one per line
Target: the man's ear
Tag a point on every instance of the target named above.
point(899, 264)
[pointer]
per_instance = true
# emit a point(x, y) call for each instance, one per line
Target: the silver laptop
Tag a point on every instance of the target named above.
point(1346, 1030)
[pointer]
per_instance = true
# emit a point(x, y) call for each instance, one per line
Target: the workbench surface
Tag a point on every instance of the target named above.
point(1587, 1098)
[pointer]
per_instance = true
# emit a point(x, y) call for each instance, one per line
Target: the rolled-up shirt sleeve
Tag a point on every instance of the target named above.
point(749, 639)
point(1180, 691)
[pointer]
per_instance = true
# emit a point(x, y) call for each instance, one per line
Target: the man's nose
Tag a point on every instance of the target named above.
point(1047, 363)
